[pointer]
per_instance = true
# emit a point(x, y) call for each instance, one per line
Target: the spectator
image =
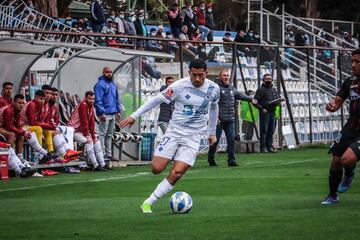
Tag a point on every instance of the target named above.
point(250, 51)
point(160, 31)
point(209, 21)
point(140, 26)
point(266, 95)
point(68, 21)
point(227, 39)
point(119, 22)
point(112, 15)
point(170, 46)
point(226, 118)
point(201, 18)
point(248, 122)
point(166, 110)
point(107, 105)
point(189, 19)
point(266, 57)
point(154, 45)
point(184, 36)
point(299, 37)
point(129, 24)
point(97, 15)
point(83, 121)
point(240, 39)
point(175, 20)
point(148, 70)
point(108, 29)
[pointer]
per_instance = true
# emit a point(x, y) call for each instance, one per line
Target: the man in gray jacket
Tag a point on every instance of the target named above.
point(226, 119)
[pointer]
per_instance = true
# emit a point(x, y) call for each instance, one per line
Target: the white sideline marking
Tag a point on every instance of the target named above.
point(274, 163)
point(250, 164)
point(75, 182)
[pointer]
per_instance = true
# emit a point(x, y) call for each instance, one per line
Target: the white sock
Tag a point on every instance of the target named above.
point(14, 162)
point(35, 145)
point(23, 160)
point(68, 133)
point(161, 190)
point(59, 144)
point(99, 153)
point(89, 148)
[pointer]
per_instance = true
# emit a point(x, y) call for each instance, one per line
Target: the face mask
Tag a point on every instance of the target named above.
point(153, 34)
point(188, 8)
point(121, 16)
point(141, 18)
point(56, 23)
point(202, 8)
point(251, 34)
point(112, 17)
point(209, 10)
point(133, 19)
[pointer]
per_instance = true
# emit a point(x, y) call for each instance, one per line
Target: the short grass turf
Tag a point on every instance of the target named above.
point(269, 196)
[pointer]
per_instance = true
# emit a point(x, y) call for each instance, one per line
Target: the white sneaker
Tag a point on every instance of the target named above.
point(36, 174)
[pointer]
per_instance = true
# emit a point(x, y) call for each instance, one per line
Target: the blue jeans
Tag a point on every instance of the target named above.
point(204, 32)
point(106, 130)
point(229, 129)
point(267, 128)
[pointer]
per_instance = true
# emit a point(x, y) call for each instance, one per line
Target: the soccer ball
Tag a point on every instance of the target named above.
point(181, 202)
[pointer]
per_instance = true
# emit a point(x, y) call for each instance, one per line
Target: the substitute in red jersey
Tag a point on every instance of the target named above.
point(5, 100)
point(50, 115)
point(83, 121)
point(6, 94)
point(32, 116)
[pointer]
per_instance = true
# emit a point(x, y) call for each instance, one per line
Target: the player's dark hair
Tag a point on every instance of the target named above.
point(7, 83)
point(89, 93)
point(46, 87)
point(167, 78)
point(357, 51)
point(40, 93)
point(18, 96)
point(54, 89)
point(198, 63)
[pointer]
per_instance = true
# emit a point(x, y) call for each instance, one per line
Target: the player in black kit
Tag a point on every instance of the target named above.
point(346, 149)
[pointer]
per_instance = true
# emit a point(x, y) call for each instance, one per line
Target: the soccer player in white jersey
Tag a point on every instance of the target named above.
point(196, 106)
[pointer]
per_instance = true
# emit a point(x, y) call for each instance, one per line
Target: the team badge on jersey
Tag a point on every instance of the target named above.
point(169, 93)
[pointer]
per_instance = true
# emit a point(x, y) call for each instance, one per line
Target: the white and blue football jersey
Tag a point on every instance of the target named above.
point(192, 104)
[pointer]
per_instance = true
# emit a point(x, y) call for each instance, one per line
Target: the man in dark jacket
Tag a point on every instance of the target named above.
point(108, 109)
point(266, 95)
point(226, 119)
point(97, 14)
point(165, 109)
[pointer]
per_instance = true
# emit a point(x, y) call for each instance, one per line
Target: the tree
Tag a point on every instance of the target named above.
point(47, 7)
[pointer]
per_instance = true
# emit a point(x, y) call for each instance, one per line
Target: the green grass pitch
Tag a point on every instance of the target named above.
point(270, 196)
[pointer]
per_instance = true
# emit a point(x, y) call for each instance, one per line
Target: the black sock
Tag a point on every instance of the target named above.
point(334, 181)
point(349, 171)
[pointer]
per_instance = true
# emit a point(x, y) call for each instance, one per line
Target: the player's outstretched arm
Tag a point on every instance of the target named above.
point(334, 104)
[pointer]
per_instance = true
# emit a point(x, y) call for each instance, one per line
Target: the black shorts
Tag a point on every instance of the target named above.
point(348, 138)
